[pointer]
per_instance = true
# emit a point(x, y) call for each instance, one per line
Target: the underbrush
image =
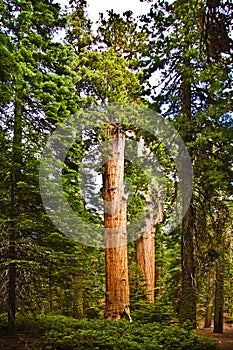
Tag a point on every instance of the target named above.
point(65, 333)
point(150, 313)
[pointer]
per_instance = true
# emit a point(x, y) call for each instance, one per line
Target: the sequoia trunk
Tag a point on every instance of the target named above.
point(146, 245)
point(117, 283)
point(146, 259)
point(145, 251)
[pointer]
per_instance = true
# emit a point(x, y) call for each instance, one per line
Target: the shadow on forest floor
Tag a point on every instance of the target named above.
point(20, 342)
point(225, 340)
point(24, 341)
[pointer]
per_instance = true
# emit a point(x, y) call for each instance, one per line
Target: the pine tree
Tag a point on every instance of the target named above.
point(194, 95)
point(40, 93)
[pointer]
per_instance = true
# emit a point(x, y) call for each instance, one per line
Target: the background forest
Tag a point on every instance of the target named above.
point(177, 61)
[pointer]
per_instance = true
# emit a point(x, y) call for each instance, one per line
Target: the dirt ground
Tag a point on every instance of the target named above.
point(20, 342)
point(28, 342)
point(225, 340)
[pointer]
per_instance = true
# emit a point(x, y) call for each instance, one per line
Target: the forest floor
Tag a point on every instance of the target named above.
point(225, 340)
point(32, 342)
point(21, 342)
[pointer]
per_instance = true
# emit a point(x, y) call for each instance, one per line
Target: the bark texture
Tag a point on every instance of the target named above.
point(145, 255)
point(188, 296)
point(116, 258)
point(146, 259)
point(219, 296)
point(210, 301)
point(145, 250)
point(14, 211)
point(78, 310)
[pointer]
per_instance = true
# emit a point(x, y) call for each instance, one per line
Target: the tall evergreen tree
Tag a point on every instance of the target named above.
point(107, 79)
point(195, 94)
point(40, 92)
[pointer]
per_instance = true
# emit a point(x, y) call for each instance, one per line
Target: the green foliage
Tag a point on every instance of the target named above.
point(106, 77)
point(69, 334)
point(42, 83)
point(194, 69)
point(149, 313)
point(3, 320)
point(27, 322)
point(66, 333)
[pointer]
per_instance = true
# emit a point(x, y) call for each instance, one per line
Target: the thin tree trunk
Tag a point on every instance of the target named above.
point(116, 258)
point(219, 296)
point(78, 304)
point(188, 296)
point(14, 212)
point(159, 220)
point(209, 303)
point(50, 295)
point(11, 292)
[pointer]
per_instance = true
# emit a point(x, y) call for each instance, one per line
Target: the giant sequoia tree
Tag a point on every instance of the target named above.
point(42, 82)
point(117, 284)
point(195, 93)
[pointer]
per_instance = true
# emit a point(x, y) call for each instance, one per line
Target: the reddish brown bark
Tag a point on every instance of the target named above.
point(146, 247)
point(116, 258)
point(146, 262)
point(145, 252)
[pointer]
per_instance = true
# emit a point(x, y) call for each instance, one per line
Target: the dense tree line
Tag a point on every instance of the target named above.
point(176, 60)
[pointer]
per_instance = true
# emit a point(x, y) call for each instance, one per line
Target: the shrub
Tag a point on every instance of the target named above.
point(69, 334)
point(66, 333)
point(3, 321)
point(149, 313)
